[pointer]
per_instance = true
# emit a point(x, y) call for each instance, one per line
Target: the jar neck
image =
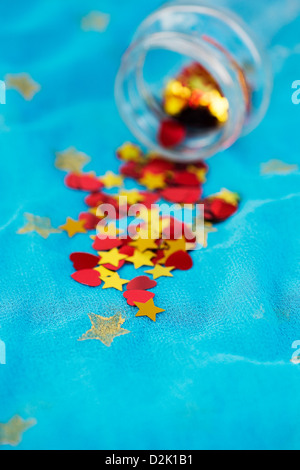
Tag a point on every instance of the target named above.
point(191, 32)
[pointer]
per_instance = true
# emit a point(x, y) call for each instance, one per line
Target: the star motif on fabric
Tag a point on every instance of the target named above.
point(133, 197)
point(148, 309)
point(111, 180)
point(23, 83)
point(104, 272)
point(105, 329)
point(141, 259)
point(71, 160)
point(278, 167)
point(144, 244)
point(112, 257)
point(95, 21)
point(114, 281)
point(175, 245)
point(11, 432)
point(129, 152)
point(40, 225)
point(152, 181)
point(72, 227)
point(160, 271)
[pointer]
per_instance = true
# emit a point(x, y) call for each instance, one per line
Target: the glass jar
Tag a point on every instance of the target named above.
point(169, 40)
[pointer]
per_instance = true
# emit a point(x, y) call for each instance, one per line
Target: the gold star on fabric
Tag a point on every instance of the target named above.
point(141, 259)
point(40, 225)
point(160, 271)
point(110, 230)
point(144, 244)
point(129, 152)
point(23, 83)
point(71, 160)
point(175, 245)
point(153, 182)
point(72, 227)
point(105, 329)
point(112, 257)
point(277, 167)
point(11, 432)
point(114, 281)
point(133, 196)
point(111, 180)
point(148, 309)
point(104, 272)
point(95, 21)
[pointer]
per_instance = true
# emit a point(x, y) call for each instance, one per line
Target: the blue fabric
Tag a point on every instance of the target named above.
point(215, 370)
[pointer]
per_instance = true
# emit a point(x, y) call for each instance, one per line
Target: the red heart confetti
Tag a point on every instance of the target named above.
point(142, 296)
point(171, 133)
point(182, 194)
point(180, 260)
point(141, 283)
point(88, 277)
point(84, 261)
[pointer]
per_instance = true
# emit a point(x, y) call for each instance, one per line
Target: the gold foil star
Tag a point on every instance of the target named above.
point(40, 225)
point(73, 226)
point(228, 196)
point(111, 180)
point(144, 244)
point(110, 230)
point(105, 329)
point(152, 181)
point(160, 271)
point(71, 160)
point(11, 432)
point(112, 257)
point(24, 84)
point(114, 281)
point(104, 272)
point(148, 309)
point(141, 259)
point(175, 245)
point(133, 196)
point(277, 167)
point(129, 152)
point(95, 21)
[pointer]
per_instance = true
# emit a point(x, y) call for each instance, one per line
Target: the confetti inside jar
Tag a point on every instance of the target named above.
point(193, 81)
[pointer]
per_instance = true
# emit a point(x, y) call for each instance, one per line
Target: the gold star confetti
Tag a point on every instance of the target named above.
point(111, 180)
point(71, 160)
point(110, 230)
point(105, 329)
point(153, 182)
point(72, 227)
point(11, 432)
point(104, 272)
point(40, 225)
point(144, 244)
point(23, 83)
point(95, 21)
point(229, 196)
point(277, 167)
point(114, 281)
point(148, 309)
point(199, 172)
point(141, 259)
point(160, 271)
point(132, 196)
point(129, 152)
point(112, 257)
point(175, 245)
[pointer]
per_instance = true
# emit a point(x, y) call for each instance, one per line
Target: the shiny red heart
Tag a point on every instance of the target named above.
point(141, 283)
point(182, 194)
point(142, 296)
point(171, 133)
point(84, 261)
point(106, 244)
point(88, 277)
point(180, 260)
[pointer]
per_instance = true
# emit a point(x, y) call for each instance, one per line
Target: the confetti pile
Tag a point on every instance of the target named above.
point(195, 102)
point(147, 244)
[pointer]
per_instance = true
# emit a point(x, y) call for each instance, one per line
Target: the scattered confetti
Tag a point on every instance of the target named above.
point(161, 271)
point(84, 261)
point(114, 281)
point(88, 277)
point(72, 227)
point(112, 257)
point(23, 83)
point(11, 432)
point(133, 296)
point(148, 309)
point(110, 180)
point(141, 283)
point(105, 329)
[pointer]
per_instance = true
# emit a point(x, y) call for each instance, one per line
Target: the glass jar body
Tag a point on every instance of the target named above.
point(176, 35)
